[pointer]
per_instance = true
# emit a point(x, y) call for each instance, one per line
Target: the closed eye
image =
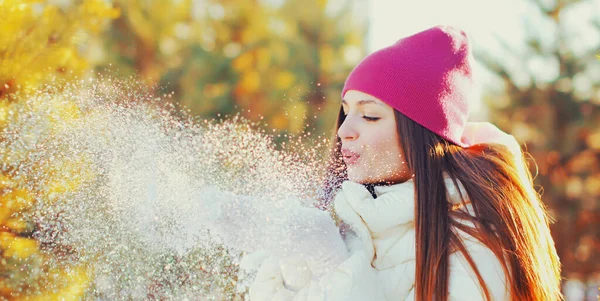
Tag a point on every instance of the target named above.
point(367, 118)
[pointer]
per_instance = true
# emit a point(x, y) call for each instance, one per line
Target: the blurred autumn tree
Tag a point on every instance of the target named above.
point(39, 45)
point(284, 61)
point(276, 61)
point(552, 104)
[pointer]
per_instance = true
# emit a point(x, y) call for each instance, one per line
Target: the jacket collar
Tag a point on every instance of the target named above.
point(394, 206)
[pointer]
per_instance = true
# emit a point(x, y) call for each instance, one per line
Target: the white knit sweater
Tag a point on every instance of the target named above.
point(381, 265)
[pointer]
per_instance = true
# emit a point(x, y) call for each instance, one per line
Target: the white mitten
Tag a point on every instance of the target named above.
point(292, 273)
point(315, 238)
point(285, 229)
point(268, 284)
point(312, 246)
point(299, 268)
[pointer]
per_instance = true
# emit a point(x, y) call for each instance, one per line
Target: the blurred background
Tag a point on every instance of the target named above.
point(283, 64)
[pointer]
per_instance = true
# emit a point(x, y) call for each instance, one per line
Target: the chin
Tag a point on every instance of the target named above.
point(356, 177)
point(363, 178)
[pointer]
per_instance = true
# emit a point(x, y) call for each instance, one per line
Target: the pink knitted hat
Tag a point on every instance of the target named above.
point(426, 76)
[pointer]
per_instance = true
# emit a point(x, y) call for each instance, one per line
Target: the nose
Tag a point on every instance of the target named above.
point(347, 130)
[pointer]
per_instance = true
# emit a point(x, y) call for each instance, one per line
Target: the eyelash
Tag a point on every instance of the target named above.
point(370, 119)
point(367, 118)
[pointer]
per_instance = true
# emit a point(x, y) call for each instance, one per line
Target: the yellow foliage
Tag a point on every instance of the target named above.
point(298, 111)
point(5, 214)
point(73, 283)
point(250, 82)
point(20, 248)
point(39, 42)
point(65, 176)
point(280, 52)
point(327, 57)
point(153, 20)
point(243, 62)
point(284, 80)
point(592, 185)
point(4, 111)
point(215, 90)
point(257, 24)
point(5, 239)
point(263, 59)
point(16, 224)
point(5, 289)
point(63, 112)
point(279, 122)
point(593, 140)
point(57, 186)
point(6, 182)
point(14, 201)
point(322, 4)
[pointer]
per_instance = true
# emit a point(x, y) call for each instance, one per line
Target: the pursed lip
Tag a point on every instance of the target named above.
point(349, 156)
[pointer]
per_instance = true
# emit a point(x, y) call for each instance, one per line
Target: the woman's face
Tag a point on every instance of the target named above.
point(370, 142)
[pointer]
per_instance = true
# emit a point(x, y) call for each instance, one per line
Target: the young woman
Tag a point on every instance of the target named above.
point(432, 207)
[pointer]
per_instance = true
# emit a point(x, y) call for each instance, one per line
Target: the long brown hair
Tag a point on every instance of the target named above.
point(508, 217)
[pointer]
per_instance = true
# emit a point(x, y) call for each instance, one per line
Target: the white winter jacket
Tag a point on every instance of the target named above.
point(381, 266)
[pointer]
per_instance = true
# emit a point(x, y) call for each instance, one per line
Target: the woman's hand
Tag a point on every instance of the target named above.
point(316, 239)
point(284, 228)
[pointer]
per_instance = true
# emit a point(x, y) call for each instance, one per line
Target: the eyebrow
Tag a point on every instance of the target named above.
point(363, 102)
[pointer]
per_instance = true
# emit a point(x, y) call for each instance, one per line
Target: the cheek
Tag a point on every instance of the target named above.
point(384, 156)
point(384, 146)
